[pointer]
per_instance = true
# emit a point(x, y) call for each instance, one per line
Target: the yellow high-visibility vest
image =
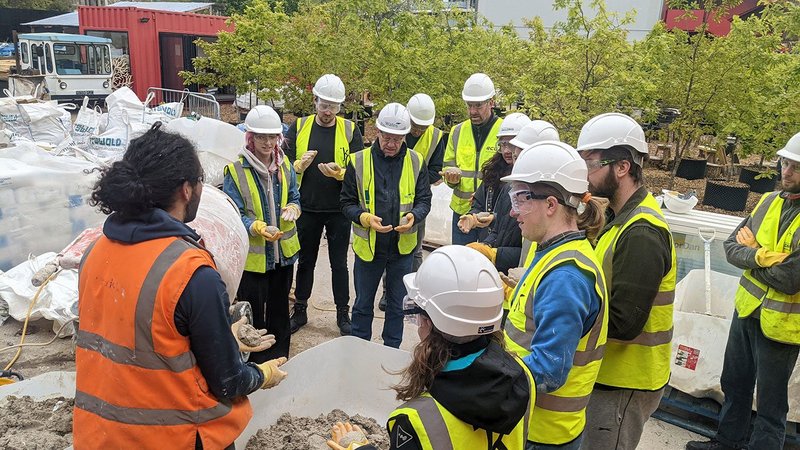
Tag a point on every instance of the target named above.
point(341, 145)
point(560, 416)
point(643, 362)
point(461, 153)
point(290, 244)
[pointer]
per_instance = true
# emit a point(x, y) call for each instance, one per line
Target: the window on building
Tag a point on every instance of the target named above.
point(119, 41)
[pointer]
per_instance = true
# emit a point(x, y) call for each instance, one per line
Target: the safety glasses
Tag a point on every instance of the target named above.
point(593, 164)
point(477, 105)
point(520, 200)
point(791, 166)
point(325, 106)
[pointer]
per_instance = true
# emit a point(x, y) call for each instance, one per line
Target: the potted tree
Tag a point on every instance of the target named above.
point(727, 195)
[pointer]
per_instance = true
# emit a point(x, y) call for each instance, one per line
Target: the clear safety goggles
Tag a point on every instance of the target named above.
point(521, 200)
point(323, 106)
point(791, 166)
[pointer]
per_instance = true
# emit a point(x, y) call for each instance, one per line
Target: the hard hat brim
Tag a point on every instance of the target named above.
point(480, 98)
point(421, 122)
point(264, 130)
point(388, 130)
point(785, 153)
point(327, 98)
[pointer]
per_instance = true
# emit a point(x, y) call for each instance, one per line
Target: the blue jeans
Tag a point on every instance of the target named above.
point(574, 445)
point(751, 357)
point(366, 276)
point(460, 238)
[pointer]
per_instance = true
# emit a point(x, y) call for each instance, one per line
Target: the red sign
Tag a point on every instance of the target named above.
point(687, 357)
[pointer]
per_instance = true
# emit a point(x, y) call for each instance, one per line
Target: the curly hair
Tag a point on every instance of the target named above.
point(494, 169)
point(153, 167)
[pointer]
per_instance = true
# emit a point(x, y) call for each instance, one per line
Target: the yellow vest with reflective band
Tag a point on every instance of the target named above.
point(341, 144)
point(526, 256)
point(427, 143)
point(257, 254)
point(438, 429)
point(560, 416)
point(780, 312)
point(461, 153)
point(643, 362)
point(364, 238)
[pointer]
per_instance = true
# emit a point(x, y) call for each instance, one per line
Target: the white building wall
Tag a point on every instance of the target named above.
point(503, 12)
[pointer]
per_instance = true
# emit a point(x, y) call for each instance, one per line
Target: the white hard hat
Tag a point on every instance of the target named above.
point(792, 149)
point(555, 163)
point(330, 88)
point(512, 124)
point(421, 109)
point(394, 119)
point(612, 129)
point(460, 290)
point(263, 120)
point(479, 87)
point(535, 131)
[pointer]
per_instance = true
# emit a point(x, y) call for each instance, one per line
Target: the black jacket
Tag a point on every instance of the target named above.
point(387, 173)
point(503, 233)
point(202, 310)
point(492, 393)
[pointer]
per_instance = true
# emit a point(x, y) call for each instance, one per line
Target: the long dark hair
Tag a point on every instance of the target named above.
point(494, 169)
point(153, 167)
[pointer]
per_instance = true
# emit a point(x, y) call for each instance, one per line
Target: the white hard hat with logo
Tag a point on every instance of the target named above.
point(613, 129)
point(421, 109)
point(792, 149)
point(535, 131)
point(330, 88)
point(263, 120)
point(478, 87)
point(512, 124)
point(460, 290)
point(554, 163)
point(394, 119)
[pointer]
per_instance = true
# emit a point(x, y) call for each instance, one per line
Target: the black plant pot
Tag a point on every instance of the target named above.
point(760, 185)
point(692, 169)
point(730, 198)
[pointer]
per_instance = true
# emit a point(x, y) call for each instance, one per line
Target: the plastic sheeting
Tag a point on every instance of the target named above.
point(219, 224)
point(439, 221)
point(698, 343)
point(218, 143)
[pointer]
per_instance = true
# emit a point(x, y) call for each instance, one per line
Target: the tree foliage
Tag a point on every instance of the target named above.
point(746, 83)
point(43, 5)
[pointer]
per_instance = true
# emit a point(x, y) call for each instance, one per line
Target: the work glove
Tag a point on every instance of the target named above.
point(267, 340)
point(745, 237)
point(483, 219)
point(372, 221)
point(767, 258)
point(336, 173)
point(260, 228)
point(272, 374)
point(467, 222)
point(451, 175)
point(302, 164)
point(485, 250)
point(290, 213)
point(405, 228)
point(345, 436)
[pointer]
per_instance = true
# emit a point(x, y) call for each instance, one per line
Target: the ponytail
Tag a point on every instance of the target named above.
point(593, 218)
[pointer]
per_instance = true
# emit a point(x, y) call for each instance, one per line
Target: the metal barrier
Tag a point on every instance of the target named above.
point(194, 103)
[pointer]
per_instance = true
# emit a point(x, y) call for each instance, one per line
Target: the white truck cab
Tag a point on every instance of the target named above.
point(72, 66)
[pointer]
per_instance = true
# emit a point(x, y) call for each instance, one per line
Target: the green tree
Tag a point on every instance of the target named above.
point(44, 5)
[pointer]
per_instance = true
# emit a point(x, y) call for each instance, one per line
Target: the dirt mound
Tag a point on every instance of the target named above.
point(26, 424)
point(304, 433)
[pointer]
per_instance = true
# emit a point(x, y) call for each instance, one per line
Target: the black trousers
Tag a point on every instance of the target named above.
point(309, 232)
point(268, 294)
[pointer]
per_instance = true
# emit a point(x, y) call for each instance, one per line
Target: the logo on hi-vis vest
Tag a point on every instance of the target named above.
point(109, 142)
point(403, 437)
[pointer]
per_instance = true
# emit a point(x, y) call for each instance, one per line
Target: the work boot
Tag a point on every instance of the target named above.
point(707, 445)
point(343, 321)
point(299, 317)
point(382, 302)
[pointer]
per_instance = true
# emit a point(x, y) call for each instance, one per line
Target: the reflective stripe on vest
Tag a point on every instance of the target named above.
point(780, 312)
point(461, 153)
point(341, 144)
point(427, 142)
point(650, 351)
point(560, 416)
point(364, 238)
point(129, 343)
point(438, 429)
point(289, 242)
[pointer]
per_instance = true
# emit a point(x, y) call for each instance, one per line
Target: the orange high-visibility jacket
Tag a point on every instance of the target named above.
point(138, 384)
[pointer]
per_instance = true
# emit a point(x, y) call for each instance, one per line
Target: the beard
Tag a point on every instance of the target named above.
point(790, 187)
point(606, 188)
point(192, 206)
